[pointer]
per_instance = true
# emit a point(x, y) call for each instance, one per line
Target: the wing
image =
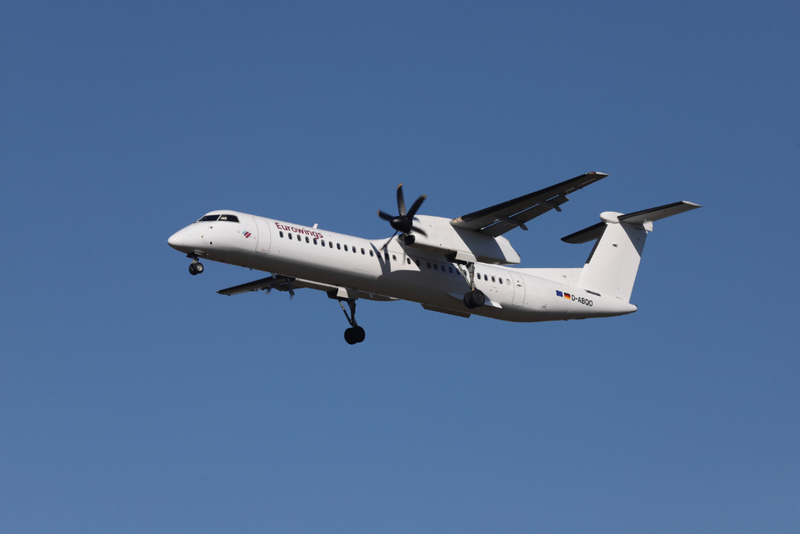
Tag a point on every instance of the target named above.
point(499, 219)
point(288, 283)
point(278, 282)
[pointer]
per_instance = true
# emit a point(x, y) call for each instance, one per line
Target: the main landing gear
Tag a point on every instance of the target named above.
point(474, 298)
point(195, 267)
point(354, 334)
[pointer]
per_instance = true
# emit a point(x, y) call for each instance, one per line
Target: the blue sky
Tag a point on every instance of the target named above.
point(133, 398)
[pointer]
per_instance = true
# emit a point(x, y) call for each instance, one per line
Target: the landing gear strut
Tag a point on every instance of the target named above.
point(354, 334)
point(195, 267)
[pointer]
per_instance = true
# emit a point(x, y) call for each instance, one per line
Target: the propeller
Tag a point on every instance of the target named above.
point(404, 222)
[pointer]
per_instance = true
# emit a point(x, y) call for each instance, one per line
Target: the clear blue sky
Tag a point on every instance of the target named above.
point(135, 399)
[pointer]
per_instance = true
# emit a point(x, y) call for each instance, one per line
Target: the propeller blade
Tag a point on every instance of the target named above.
point(416, 206)
point(383, 248)
point(401, 203)
point(385, 216)
point(419, 231)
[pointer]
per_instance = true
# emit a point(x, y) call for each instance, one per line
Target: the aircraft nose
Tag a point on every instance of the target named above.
point(176, 240)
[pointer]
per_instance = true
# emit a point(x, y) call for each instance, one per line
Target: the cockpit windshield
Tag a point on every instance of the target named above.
point(223, 217)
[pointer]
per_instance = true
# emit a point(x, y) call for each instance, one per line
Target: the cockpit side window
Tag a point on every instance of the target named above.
point(209, 218)
point(229, 218)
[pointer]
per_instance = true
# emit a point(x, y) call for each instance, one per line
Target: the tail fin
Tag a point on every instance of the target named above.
point(612, 266)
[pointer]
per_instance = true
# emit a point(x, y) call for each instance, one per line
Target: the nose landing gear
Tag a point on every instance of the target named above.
point(195, 267)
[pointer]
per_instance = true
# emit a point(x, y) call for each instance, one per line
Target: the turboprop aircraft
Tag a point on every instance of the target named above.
point(457, 266)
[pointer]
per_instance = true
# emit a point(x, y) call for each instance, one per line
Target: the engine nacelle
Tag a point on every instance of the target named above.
point(457, 243)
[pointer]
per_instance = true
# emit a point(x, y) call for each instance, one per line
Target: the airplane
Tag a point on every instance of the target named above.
point(459, 266)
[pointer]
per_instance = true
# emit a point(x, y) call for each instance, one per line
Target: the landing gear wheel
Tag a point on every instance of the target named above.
point(195, 268)
point(350, 336)
point(474, 299)
point(360, 334)
point(354, 335)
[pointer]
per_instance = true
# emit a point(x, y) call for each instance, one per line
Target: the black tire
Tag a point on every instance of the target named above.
point(198, 267)
point(192, 270)
point(478, 298)
point(350, 336)
point(360, 334)
point(468, 302)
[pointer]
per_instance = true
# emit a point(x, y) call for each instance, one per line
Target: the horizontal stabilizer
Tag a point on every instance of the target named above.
point(613, 263)
point(585, 235)
point(661, 212)
point(637, 217)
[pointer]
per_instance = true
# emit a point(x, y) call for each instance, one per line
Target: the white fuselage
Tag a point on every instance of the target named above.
point(373, 267)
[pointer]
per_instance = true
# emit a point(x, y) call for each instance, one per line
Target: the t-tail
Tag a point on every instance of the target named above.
point(614, 261)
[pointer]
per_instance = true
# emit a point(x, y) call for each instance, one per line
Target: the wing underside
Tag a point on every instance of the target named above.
point(289, 284)
point(499, 219)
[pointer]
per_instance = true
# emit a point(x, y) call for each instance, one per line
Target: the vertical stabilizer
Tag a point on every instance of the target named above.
point(612, 266)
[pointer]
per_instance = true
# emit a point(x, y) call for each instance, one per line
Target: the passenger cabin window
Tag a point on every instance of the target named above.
point(229, 218)
point(209, 218)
